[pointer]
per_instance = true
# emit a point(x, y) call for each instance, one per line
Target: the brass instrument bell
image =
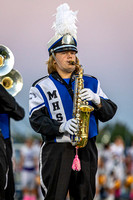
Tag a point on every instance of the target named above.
point(12, 82)
point(10, 79)
point(6, 60)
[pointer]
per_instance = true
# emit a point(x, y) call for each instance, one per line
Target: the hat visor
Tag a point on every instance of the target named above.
point(66, 49)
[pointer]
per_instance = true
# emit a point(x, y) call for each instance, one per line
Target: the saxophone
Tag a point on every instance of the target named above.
point(81, 112)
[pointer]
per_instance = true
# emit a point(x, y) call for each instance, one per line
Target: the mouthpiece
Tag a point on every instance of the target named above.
point(71, 62)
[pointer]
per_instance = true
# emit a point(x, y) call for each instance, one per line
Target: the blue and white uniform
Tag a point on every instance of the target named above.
point(51, 104)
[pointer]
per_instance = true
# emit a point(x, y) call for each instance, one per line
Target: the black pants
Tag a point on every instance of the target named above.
point(3, 167)
point(57, 176)
point(10, 189)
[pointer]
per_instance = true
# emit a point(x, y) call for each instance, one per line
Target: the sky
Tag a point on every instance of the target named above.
point(105, 47)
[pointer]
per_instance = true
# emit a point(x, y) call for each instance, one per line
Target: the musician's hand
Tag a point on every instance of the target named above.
point(89, 95)
point(69, 126)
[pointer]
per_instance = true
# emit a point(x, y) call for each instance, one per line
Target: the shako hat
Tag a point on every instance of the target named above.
point(65, 38)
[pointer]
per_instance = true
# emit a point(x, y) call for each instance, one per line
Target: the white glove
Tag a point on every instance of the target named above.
point(69, 126)
point(89, 95)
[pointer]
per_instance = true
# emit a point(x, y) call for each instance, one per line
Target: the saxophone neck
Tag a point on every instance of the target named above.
point(81, 69)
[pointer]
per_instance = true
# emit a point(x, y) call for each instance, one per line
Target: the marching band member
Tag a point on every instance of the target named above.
point(9, 108)
point(51, 108)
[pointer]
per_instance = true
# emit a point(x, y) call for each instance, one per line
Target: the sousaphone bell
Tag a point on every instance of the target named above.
point(9, 78)
point(12, 82)
point(6, 60)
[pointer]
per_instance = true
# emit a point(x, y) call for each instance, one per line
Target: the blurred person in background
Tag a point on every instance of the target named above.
point(101, 179)
point(129, 153)
point(117, 149)
point(29, 165)
point(37, 146)
point(108, 158)
point(9, 108)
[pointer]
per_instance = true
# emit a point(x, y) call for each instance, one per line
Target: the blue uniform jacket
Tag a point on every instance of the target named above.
point(9, 108)
point(51, 103)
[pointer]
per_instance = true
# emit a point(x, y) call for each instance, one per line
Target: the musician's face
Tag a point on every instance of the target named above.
point(63, 67)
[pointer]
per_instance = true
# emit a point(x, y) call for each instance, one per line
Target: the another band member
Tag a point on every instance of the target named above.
point(9, 108)
point(51, 115)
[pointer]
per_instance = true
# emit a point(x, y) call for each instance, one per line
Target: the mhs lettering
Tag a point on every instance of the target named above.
point(55, 104)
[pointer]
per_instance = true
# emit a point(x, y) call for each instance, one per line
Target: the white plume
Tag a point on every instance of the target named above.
point(65, 21)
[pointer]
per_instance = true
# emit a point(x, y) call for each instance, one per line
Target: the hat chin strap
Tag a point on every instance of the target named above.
point(57, 61)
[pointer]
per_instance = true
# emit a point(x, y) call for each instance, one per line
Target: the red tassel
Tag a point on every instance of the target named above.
point(76, 166)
